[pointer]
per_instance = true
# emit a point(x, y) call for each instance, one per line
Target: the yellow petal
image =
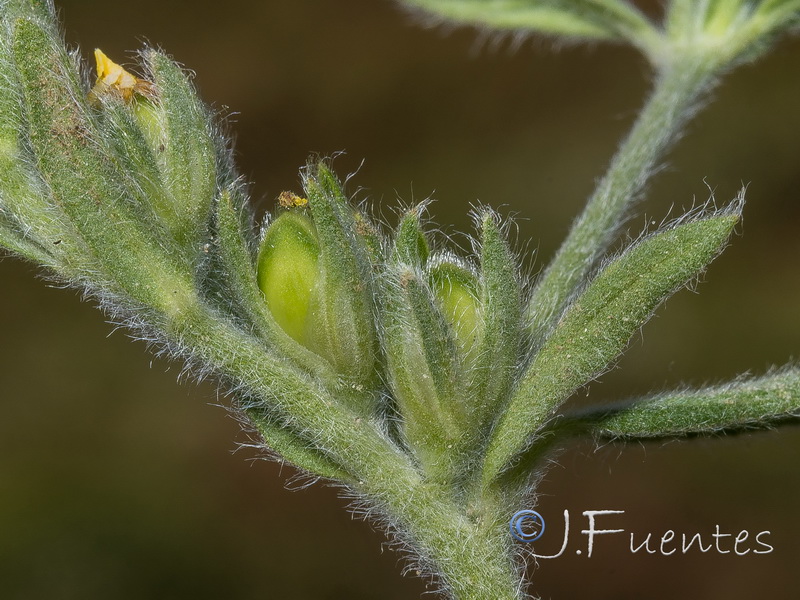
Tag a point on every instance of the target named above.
point(111, 77)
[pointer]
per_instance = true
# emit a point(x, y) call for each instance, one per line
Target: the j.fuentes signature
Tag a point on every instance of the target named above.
point(529, 526)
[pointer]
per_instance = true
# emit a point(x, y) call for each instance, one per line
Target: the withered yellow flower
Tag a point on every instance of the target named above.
point(291, 200)
point(112, 78)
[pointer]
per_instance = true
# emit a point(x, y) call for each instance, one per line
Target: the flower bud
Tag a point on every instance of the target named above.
point(315, 269)
point(178, 129)
point(370, 238)
point(288, 272)
point(456, 289)
point(166, 143)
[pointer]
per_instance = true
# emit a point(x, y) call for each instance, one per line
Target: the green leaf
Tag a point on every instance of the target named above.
point(671, 103)
point(729, 31)
point(689, 20)
point(740, 405)
point(597, 326)
point(589, 19)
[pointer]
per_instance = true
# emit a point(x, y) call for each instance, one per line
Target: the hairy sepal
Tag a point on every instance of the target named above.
point(410, 242)
point(341, 312)
point(292, 446)
point(424, 372)
point(492, 373)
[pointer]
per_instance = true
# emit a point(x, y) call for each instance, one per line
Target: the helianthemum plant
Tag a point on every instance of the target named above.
point(428, 383)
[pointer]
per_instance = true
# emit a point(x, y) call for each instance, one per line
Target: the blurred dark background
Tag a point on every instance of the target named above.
point(118, 483)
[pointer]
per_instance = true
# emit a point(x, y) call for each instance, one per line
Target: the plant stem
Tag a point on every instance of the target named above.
point(678, 87)
point(474, 558)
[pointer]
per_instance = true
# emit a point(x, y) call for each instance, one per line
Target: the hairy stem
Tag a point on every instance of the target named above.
point(672, 102)
point(474, 560)
point(473, 554)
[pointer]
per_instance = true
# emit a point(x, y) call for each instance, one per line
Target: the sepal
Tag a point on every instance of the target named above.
point(341, 323)
point(424, 371)
point(410, 242)
point(498, 347)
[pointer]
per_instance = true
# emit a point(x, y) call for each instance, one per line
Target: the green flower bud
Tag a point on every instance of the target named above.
point(457, 292)
point(165, 141)
point(288, 272)
point(315, 268)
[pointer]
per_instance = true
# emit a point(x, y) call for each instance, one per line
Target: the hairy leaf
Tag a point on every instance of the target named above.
point(597, 326)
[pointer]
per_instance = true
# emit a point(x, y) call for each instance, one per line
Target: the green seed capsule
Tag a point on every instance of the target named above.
point(288, 272)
